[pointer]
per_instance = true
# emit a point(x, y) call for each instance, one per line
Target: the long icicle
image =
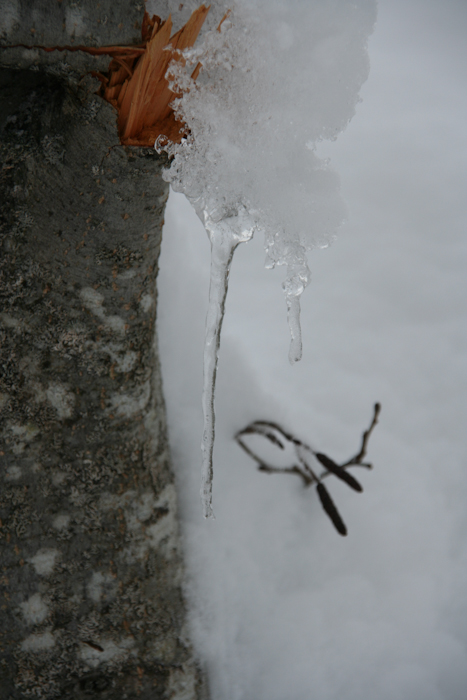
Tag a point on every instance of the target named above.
point(222, 250)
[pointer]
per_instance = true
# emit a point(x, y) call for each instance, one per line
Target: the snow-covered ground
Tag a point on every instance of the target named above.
point(283, 608)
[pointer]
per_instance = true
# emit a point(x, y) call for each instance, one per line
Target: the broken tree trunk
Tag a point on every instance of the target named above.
point(91, 568)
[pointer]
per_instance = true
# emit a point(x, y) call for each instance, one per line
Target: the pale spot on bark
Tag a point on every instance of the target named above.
point(101, 585)
point(127, 274)
point(62, 399)
point(75, 21)
point(34, 609)
point(127, 362)
point(44, 561)
point(95, 587)
point(127, 405)
point(116, 324)
point(123, 361)
point(3, 399)
point(38, 642)
point(61, 522)
point(10, 321)
point(112, 652)
point(144, 506)
point(142, 509)
point(26, 432)
point(164, 529)
point(146, 302)
point(13, 473)
point(93, 301)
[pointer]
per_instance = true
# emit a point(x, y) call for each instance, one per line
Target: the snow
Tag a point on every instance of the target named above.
point(282, 608)
point(276, 79)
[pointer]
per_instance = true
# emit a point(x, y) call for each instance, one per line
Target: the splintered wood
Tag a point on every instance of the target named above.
point(136, 84)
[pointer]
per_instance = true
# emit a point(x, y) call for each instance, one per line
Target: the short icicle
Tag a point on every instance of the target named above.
point(293, 319)
point(222, 250)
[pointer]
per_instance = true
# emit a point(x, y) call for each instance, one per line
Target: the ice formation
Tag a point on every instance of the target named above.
point(276, 78)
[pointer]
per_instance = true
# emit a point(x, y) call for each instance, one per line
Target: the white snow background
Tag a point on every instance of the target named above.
point(282, 607)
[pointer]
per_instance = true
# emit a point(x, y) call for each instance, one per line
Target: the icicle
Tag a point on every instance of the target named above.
point(293, 319)
point(222, 250)
point(298, 276)
point(225, 236)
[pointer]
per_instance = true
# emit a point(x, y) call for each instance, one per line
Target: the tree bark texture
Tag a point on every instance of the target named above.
point(91, 602)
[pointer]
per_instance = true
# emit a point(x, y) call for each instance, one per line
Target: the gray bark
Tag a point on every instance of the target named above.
point(91, 568)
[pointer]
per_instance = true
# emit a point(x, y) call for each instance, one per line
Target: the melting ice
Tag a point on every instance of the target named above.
point(276, 79)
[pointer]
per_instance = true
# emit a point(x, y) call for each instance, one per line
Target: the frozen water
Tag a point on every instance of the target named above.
point(224, 236)
point(276, 79)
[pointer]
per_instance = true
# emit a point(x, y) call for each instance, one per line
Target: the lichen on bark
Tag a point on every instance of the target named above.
point(91, 568)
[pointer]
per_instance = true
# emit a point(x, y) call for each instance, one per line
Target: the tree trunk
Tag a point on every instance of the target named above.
point(91, 568)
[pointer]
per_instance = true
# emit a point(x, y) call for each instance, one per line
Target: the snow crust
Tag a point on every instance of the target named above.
point(275, 79)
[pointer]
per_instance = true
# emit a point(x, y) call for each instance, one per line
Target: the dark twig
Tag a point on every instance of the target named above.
point(268, 430)
point(287, 470)
point(358, 459)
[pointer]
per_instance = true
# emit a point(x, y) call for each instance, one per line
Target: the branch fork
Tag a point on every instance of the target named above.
point(279, 437)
